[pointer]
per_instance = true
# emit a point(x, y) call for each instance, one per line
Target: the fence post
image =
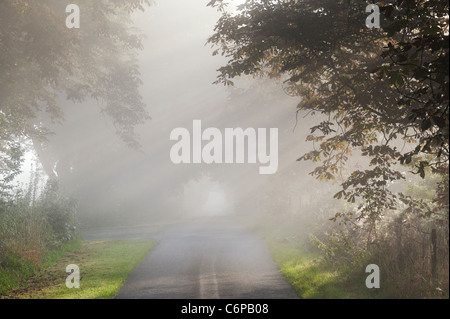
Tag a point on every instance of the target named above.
point(433, 253)
point(399, 244)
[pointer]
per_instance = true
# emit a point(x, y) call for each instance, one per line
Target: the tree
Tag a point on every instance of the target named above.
point(377, 88)
point(43, 62)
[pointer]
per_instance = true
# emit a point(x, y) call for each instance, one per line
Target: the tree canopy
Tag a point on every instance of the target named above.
point(382, 92)
point(43, 62)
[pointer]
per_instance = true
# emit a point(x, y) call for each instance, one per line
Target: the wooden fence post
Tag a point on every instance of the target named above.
point(433, 253)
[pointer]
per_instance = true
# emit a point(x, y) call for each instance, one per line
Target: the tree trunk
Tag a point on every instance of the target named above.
point(46, 163)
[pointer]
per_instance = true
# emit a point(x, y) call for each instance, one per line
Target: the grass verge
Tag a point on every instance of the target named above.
point(311, 277)
point(304, 267)
point(14, 271)
point(104, 267)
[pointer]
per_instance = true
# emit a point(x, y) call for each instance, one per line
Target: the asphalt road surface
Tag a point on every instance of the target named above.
point(209, 258)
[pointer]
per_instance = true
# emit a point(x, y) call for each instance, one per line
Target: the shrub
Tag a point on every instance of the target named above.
point(29, 227)
point(60, 212)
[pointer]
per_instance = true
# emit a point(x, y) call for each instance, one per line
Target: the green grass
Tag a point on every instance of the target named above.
point(304, 270)
point(15, 271)
point(304, 267)
point(309, 275)
point(12, 272)
point(314, 278)
point(104, 267)
point(53, 255)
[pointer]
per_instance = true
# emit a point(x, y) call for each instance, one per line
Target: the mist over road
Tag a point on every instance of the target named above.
point(207, 258)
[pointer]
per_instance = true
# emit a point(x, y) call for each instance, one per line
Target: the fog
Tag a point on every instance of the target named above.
point(270, 150)
point(116, 184)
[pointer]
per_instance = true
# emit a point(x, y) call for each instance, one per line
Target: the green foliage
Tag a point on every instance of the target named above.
point(15, 271)
point(42, 60)
point(32, 229)
point(342, 250)
point(417, 65)
point(60, 212)
point(376, 88)
point(24, 233)
point(401, 246)
point(11, 158)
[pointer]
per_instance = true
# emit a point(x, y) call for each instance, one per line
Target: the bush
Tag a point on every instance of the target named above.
point(60, 212)
point(402, 246)
point(23, 233)
point(30, 227)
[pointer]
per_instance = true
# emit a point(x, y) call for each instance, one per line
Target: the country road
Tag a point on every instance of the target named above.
point(208, 258)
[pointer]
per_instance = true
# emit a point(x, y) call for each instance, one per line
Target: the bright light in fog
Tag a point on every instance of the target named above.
point(31, 167)
point(203, 196)
point(216, 203)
